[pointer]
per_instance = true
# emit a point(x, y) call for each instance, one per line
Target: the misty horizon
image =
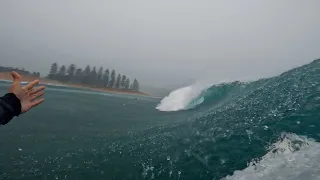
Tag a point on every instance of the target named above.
point(162, 43)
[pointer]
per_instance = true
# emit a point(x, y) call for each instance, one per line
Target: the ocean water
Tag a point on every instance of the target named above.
point(267, 130)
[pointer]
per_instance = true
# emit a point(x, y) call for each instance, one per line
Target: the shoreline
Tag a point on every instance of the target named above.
point(49, 82)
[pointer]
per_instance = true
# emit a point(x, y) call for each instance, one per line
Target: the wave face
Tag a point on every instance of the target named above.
point(268, 122)
point(195, 95)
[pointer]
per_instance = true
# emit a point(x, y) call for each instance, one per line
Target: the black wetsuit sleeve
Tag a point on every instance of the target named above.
point(10, 106)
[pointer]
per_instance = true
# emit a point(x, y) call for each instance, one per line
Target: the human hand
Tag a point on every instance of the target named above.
point(27, 95)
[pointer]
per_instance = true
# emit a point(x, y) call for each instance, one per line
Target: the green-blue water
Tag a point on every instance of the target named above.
point(79, 134)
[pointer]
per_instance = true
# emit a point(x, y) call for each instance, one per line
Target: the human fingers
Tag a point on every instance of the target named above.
point(36, 90)
point(37, 95)
point(31, 85)
point(36, 103)
point(16, 77)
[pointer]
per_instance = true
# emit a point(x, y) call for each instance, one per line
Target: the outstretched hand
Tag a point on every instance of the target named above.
point(28, 95)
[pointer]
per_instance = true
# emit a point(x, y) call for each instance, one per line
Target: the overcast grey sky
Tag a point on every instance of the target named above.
point(162, 42)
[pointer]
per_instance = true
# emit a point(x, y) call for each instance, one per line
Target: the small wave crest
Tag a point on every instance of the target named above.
point(292, 157)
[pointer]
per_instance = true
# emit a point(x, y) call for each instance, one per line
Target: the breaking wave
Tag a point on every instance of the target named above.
point(192, 96)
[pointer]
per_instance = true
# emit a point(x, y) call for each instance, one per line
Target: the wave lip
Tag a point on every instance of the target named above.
point(292, 157)
point(181, 99)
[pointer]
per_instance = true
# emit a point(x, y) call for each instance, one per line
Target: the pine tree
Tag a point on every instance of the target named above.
point(112, 79)
point(71, 72)
point(53, 71)
point(135, 85)
point(90, 77)
point(79, 75)
point(127, 84)
point(93, 76)
point(123, 81)
point(106, 78)
point(86, 75)
point(100, 77)
point(118, 81)
point(62, 73)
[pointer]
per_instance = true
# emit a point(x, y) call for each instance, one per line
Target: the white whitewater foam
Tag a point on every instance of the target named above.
point(291, 158)
point(58, 85)
point(179, 99)
point(3, 80)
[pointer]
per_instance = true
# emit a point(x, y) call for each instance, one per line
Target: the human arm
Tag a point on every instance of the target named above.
point(19, 99)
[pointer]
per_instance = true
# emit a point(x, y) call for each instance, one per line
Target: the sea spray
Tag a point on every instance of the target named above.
point(291, 157)
point(181, 98)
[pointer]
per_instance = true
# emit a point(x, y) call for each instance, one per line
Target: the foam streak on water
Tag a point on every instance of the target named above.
point(292, 157)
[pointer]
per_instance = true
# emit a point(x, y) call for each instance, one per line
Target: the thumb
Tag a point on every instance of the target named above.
point(16, 77)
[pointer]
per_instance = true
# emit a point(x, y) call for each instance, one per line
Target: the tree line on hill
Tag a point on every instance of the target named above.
point(92, 76)
point(20, 71)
